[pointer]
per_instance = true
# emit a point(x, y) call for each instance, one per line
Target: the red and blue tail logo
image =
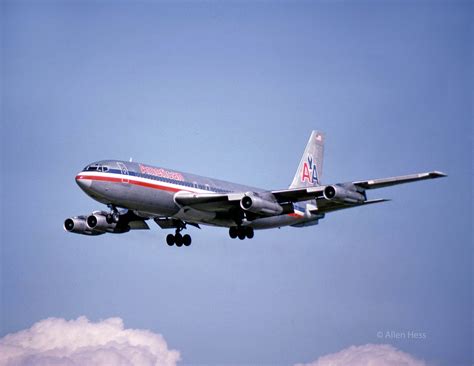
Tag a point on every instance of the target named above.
point(310, 172)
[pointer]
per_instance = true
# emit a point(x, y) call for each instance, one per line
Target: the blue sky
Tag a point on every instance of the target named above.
point(233, 90)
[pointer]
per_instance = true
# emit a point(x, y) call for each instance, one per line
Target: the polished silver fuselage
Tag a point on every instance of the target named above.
point(150, 192)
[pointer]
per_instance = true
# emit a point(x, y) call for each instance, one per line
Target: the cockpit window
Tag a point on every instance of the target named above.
point(93, 168)
point(96, 168)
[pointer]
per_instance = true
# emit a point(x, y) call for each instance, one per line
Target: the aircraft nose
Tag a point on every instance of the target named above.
point(83, 182)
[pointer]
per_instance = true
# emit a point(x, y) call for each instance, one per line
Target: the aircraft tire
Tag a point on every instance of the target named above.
point(241, 235)
point(170, 239)
point(233, 231)
point(249, 232)
point(178, 239)
point(187, 240)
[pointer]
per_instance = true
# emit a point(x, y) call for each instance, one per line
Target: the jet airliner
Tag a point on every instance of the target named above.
point(135, 193)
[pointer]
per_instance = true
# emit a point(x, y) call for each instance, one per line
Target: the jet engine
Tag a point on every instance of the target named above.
point(78, 225)
point(253, 203)
point(98, 222)
point(341, 194)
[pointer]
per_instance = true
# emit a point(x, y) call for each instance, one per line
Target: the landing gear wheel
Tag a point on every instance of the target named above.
point(178, 239)
point(187, 240)
point(170, 239)
point(249, 232)
point(241, 235)
point(233, 231)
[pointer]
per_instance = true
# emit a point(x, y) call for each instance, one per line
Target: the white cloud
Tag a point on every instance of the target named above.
point(367, 355)
point(56, 341)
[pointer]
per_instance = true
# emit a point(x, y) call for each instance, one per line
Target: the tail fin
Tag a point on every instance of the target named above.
point(311, 165)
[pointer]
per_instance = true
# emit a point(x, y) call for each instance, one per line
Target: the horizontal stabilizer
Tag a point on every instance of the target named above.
point(340, 206)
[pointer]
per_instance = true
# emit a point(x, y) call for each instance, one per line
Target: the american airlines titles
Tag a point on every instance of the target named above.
point(159, 172)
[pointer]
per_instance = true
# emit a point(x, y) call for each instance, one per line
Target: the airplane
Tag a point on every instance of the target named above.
point(136, 192)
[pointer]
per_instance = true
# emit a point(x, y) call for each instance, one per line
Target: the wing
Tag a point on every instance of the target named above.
point(299, 194)
point(325, 205)
point(228, 205)
point(386, 182)
point(222, 202)
point(216, 202)
point(325, 199)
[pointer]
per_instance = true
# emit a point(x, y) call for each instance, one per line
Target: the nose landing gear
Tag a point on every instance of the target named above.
point(113, 216)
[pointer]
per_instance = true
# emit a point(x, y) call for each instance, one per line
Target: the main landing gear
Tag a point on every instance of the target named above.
point(241, 232)
point(178, 239)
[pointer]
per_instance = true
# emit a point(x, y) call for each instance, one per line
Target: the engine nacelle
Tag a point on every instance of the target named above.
point(98, 222)
point(78, 225)
point(251, 202)
point(340, 194)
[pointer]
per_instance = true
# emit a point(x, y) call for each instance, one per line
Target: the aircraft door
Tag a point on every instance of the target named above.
point(124, 172)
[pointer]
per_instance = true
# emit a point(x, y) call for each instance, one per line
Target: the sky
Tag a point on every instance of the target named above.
point(232, 90)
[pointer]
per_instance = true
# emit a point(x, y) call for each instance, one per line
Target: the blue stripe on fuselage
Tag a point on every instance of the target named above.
point(169, 180)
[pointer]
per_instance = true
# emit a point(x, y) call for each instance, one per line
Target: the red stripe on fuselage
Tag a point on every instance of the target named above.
point(130, 181)
point(143, 184)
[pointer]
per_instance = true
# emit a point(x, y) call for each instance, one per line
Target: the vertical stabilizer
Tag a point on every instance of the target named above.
point(310, 168)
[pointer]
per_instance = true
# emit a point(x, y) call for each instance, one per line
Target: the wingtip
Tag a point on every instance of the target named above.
point(378, 200)
point(437, 174)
